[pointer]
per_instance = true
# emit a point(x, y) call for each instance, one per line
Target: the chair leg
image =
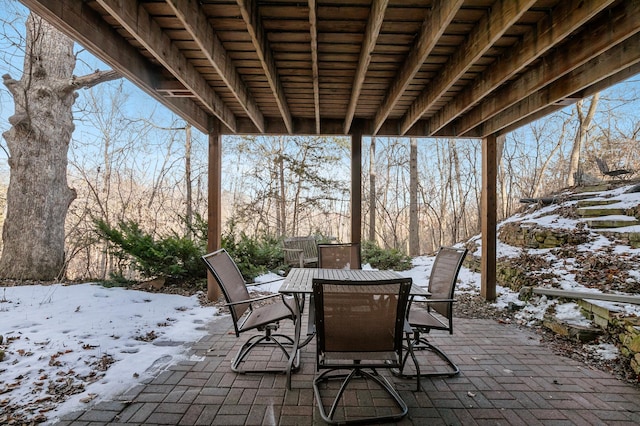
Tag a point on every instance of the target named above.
point(333, 374)
point(421, 344)
point(266, 340)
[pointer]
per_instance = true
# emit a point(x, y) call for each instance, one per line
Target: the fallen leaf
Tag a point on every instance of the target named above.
point(89, 398)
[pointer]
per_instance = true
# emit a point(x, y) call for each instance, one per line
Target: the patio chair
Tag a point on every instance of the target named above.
point(604, 169)
point(253, 314)
point(360, 327)
point(339, 256)
point(300, 252)
point(438, 315)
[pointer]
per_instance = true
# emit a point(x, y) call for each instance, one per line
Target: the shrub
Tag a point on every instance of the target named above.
point(380, 258)
point(254, 255)
point(172, 257)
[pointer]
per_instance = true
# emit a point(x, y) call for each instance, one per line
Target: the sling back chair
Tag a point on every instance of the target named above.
point(339, 256)
point(360, 327)
point(248, 315)
point(604, 169)
point(438, 315)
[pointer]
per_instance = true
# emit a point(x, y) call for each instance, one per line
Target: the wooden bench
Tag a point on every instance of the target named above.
point(301, 252)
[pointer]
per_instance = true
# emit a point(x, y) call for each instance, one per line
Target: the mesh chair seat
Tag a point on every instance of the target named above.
point(423, 319)
point(268, 313)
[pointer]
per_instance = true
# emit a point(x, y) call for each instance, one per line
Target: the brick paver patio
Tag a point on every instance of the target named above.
point(507, 377)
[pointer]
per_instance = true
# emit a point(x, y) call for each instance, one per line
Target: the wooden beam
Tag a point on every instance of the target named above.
point(135, 19)
point(488, 219)
point(502, 15)
point(214, 209)
point(81, 23)
point(356, 185)
point(549, 31)
point(434, 25)
point(189, 12)
point(249, 11)
point(584, 93)
point(313, 29)
point(613, 61)
point(329, 127)
point(376, 17)
point(593, 40)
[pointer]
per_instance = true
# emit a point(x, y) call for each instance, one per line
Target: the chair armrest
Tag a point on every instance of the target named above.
point(263, 283)
point(240, 302)
point(293, 250)
point(299, 252)
point(439, 300)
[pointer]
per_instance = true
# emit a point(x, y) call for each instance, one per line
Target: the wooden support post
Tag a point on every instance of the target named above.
point(356, 184)
point(214, 213)
point(488, 218)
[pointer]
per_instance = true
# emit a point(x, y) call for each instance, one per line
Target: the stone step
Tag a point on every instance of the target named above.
point(603, 211)
point(612, 223)
point(575, 332)
point(592, 203)
point(594, 188)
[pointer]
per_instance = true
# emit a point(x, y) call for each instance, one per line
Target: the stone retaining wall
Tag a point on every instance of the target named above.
point(536, 237)
point(627, 329)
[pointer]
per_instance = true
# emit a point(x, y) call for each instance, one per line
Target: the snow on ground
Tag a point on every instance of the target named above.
point(98, 342)
point(88, 341)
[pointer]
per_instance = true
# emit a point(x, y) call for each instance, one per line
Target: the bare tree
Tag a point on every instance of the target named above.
point(372, 190)
point(38, 196)
point(188, 183)
point(289, 186)
point(414, 231)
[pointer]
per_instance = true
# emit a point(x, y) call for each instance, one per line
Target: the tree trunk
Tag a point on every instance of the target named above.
point(38, 196)
point(583, 126)
point(282, 195)
point(187, 178)
point(502, 181)
point(372, 190)
point(414, 232)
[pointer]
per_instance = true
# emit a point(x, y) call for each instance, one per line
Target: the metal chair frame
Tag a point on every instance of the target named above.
point(247, 315)
point(442, 281)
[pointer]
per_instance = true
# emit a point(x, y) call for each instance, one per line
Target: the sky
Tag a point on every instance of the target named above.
point(103, 341)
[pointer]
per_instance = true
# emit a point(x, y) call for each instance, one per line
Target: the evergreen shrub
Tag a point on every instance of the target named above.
point(384, 259)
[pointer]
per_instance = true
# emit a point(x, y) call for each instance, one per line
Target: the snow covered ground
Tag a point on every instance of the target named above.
point(67, 345)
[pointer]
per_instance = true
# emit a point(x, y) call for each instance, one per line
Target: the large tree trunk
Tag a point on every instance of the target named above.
point(38, 196)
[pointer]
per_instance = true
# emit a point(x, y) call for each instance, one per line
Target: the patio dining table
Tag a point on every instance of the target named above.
point(299, 283)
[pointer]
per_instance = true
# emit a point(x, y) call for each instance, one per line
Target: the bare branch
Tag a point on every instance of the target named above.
point(90, 80)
